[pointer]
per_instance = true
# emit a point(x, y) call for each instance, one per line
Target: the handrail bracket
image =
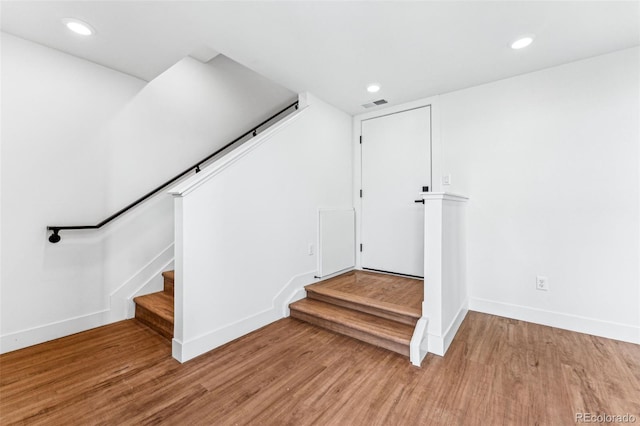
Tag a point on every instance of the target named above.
point(54, 237)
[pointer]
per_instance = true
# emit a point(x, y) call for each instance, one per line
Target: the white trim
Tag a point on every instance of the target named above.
point(580, 324)
point(184, 351)
point(445, 196)
point(293, 291)
point(192, 183)
point(167, 252)
point(419, 345)
point(396, 108)
point(436, 154)
point(121, 307)
point(121, 299)
point(335, 274)
point(55, 330)
point(290, 292)
point(440, 344)
point(454, 327)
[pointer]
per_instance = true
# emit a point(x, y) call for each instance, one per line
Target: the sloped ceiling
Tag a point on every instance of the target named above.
point(334, 49)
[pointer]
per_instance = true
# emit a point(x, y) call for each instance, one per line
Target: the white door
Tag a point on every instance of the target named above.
point(396, 164)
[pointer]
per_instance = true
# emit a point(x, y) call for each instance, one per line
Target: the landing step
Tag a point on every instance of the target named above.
point(404, 314)
point(372, 329)
point(156, 311)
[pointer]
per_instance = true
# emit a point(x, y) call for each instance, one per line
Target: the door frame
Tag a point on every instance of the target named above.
point(436, 155)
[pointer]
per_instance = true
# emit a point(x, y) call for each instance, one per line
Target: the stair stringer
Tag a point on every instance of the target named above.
point(419, 342)
point(292, 292)
point(147, 279)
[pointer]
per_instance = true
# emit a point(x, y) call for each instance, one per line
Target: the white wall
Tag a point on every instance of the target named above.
point(445, 282)
point(53, 109)
point(550, 162)
point(242, 236)
point(185, 114)
point(80, 141)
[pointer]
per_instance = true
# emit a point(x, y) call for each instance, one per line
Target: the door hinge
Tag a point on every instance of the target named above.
point(361, 139)
point(360, 247)
point(361, 193)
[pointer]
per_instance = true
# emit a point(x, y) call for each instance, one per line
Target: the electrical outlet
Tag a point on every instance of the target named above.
point(542, 283)
point(446, 179)
point(310, 252)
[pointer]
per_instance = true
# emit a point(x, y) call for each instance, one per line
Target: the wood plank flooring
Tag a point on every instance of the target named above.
point(497, 372)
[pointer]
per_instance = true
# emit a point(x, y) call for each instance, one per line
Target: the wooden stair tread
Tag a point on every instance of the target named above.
point(370, 324)
point(365, 301)
point(156, 310)
point(160, 303)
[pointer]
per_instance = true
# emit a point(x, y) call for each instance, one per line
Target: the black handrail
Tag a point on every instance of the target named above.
point(55, 235)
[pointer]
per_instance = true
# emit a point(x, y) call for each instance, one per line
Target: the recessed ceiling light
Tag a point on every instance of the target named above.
point(373, 88)
point(78, 26)
point(522, 42)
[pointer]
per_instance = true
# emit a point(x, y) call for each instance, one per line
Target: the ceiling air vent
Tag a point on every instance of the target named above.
point(375, 103)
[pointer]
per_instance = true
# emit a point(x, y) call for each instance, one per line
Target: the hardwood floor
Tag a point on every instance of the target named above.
point(497, 371)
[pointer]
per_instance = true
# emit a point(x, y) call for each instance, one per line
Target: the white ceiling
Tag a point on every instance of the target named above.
point(334, 49)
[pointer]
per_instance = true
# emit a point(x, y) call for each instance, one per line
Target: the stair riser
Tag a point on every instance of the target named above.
point(168, 286)
point(362, 308)
point(348, 331)
point(156, 323)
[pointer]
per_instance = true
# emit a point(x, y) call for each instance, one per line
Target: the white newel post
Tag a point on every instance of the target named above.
point(445, 260)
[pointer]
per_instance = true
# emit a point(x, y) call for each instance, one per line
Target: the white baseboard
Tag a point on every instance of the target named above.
point(55, 330)
point(334, 274)
point(290, 292)
point(440, 344)
point(184, 351)
point(610, 330)
point(293, 291)
point(121, 307)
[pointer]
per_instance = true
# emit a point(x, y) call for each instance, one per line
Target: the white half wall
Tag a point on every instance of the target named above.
point(242, 235)
point(550, 161)
point(445, 265)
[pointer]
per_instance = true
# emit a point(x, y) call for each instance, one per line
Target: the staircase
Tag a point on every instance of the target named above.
point(156, 309)
point(373, 308)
